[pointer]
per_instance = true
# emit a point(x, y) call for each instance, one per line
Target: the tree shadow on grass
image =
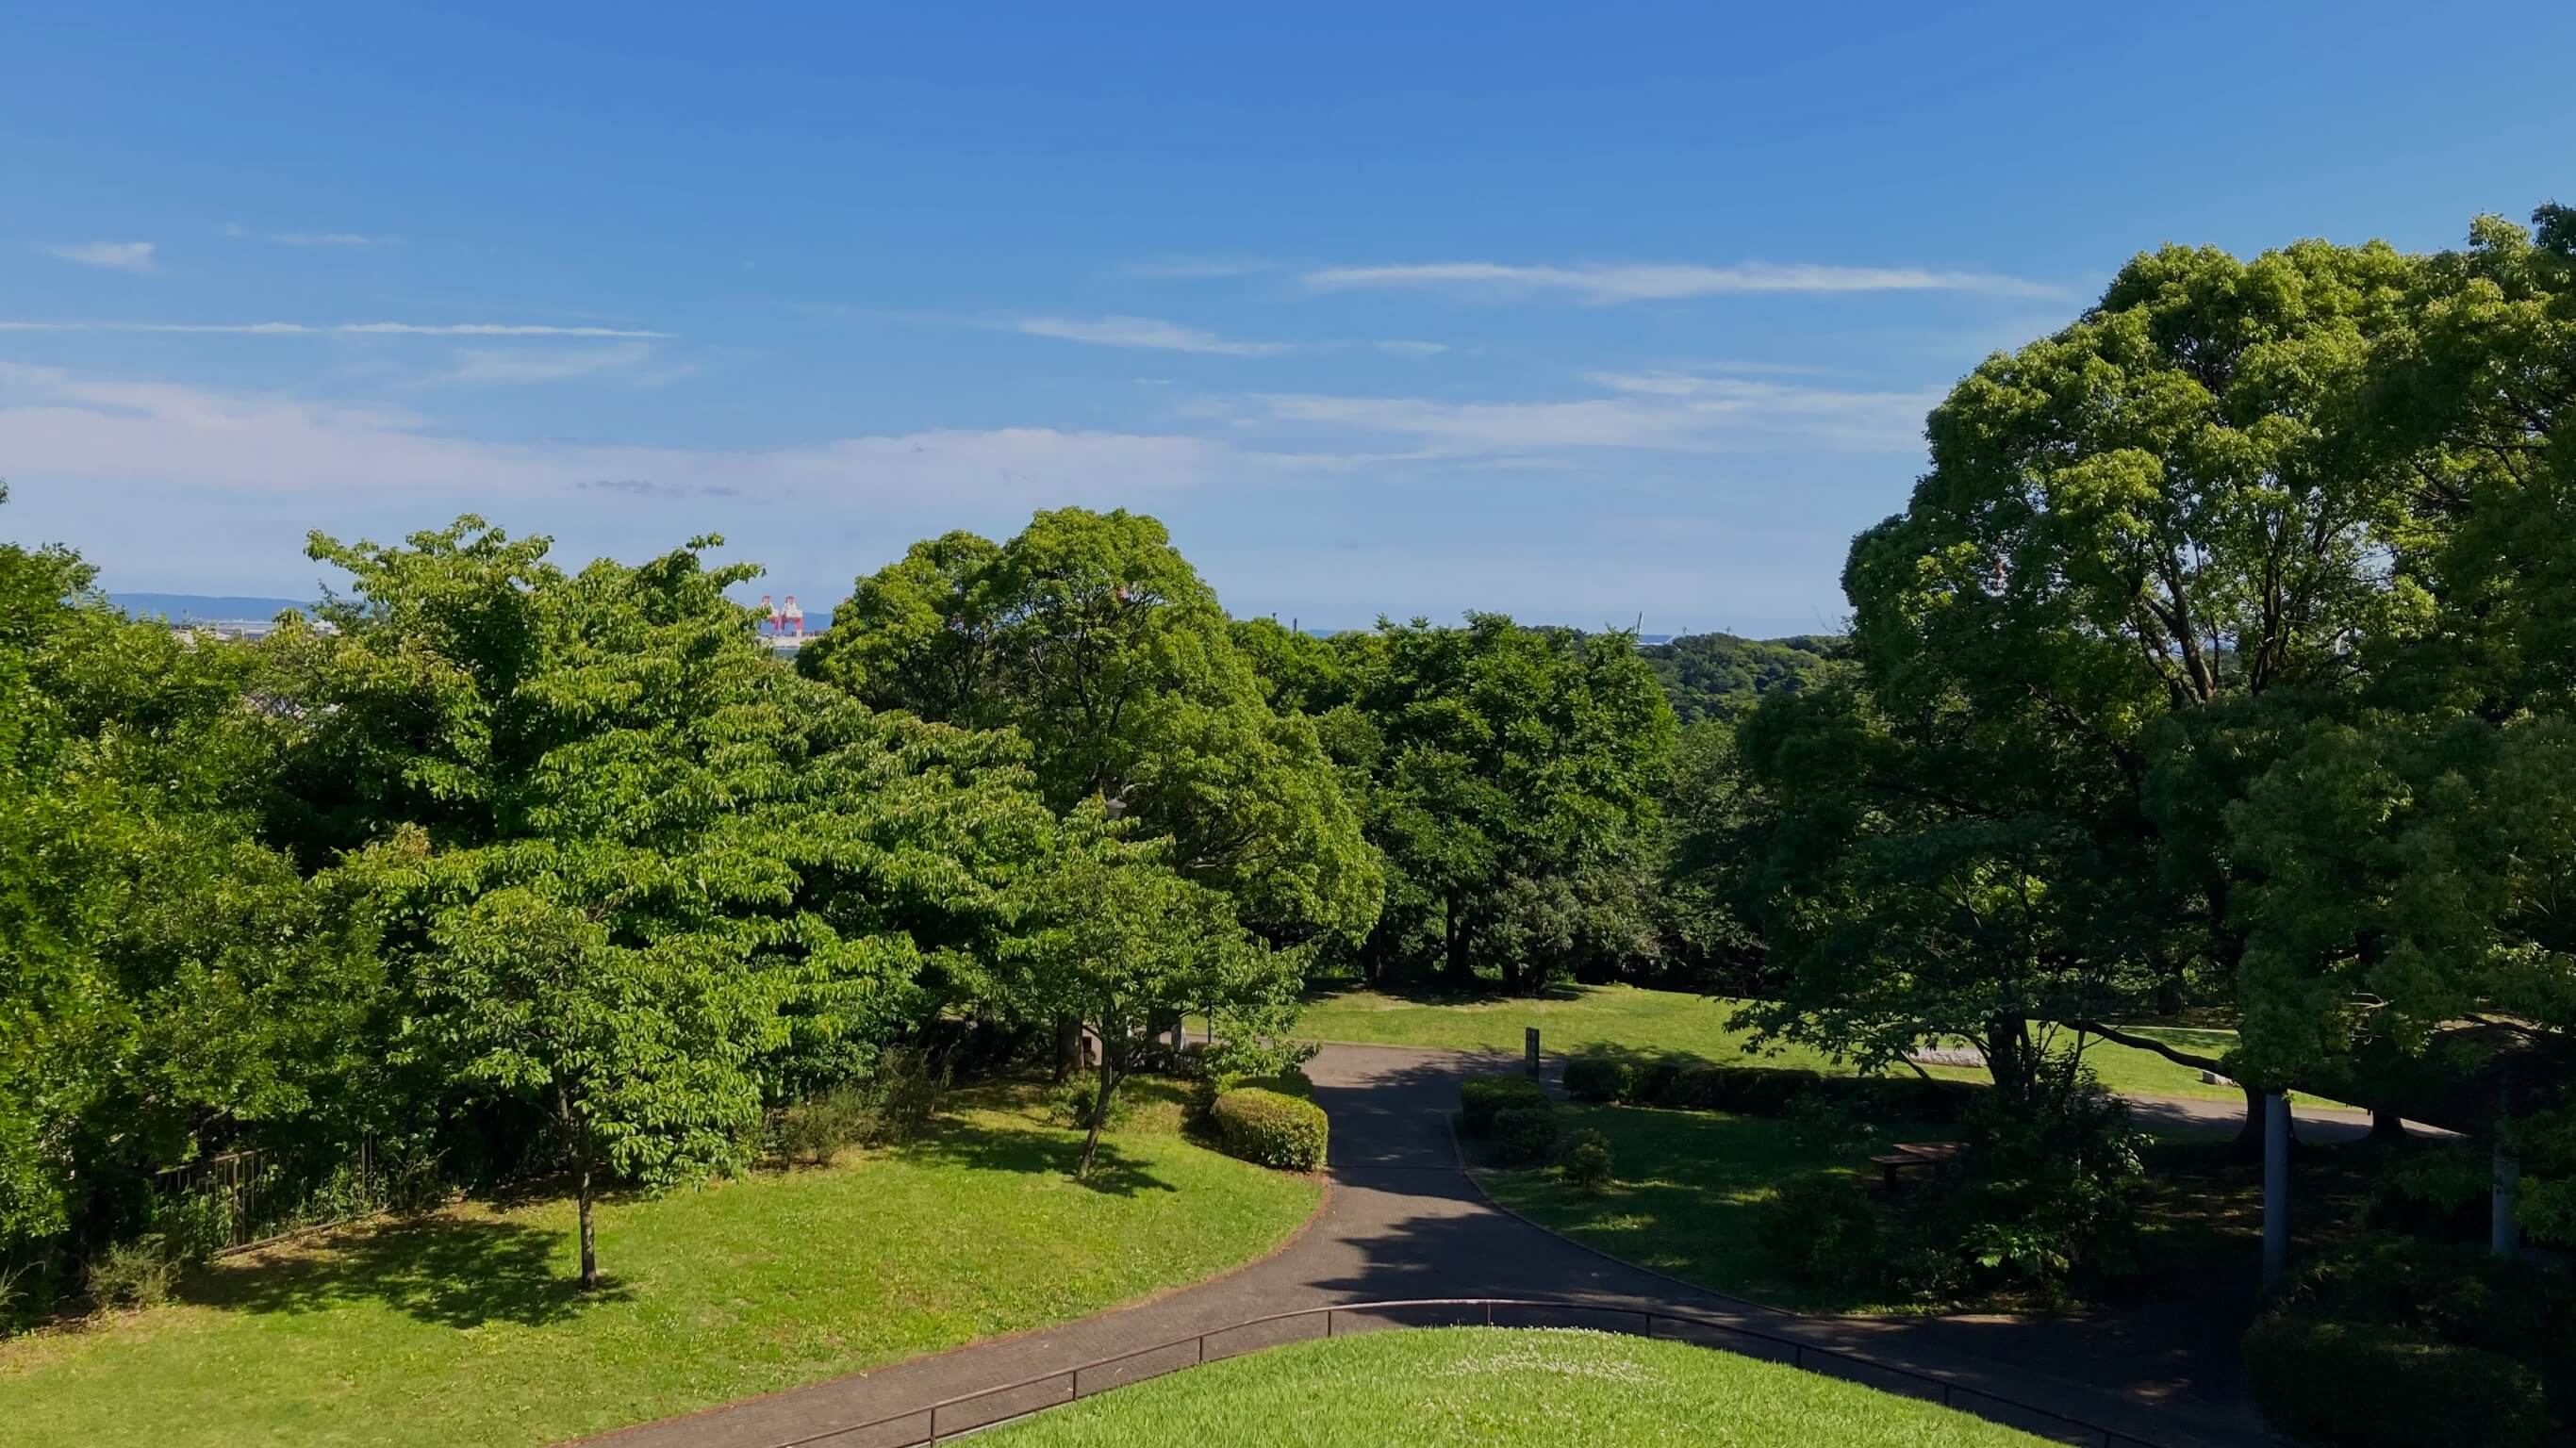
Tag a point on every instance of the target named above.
point(1002, 1148)
point(448, 1271)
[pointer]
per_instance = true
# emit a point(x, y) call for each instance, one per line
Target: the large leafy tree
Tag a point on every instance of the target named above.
point(636, 875)
point(1092, 636)
point(2419, 856)
point(1109, 935)
point(1513, 776)
point(2147, 548)
point(173, 987)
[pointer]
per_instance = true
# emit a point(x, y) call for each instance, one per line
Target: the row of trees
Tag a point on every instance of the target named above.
point(2222, 659)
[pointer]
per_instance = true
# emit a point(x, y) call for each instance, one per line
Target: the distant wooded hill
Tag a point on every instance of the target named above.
point(1718, 676)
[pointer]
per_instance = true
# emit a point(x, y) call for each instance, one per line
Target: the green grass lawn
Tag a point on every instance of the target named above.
point(464, 1327)
point(1502, 1388)
point(1580, 1018)
point(1692, 1185)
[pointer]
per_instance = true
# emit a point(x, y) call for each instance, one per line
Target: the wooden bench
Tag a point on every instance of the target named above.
point(1914, 1156)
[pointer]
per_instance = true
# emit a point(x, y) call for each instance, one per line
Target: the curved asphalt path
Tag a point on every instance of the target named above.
point(1402, 1220)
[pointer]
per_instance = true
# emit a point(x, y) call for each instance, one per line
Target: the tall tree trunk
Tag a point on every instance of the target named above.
point(1099, 1105)
point(2386, 1125)
point(2008, 1057)
point(2249, 1137)
point(580, 1141)
point(1461, 972)
point(1068, 1047)
point(589, 1239)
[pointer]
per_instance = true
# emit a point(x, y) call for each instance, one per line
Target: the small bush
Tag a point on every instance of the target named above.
point(1073, 1103)
point(1204, 1092)
point(133, 1274)
point(1482, 1098)
point(2458, 1294)
point(1524, 1135)
point(1655, 1084)
point(1600, 1078)
point(1585, 1161)
point(892, 1103)
point(1272, 1128)
point(195, 1226)
point(1820, 1228)
point(814, 1130)
point(2356, 1386)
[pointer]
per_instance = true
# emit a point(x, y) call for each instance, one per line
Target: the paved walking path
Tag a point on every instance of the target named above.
point(1403, 1221)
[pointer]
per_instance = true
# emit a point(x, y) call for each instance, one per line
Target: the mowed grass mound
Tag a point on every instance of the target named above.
point(1575, 1019)
point(1501, 1388)
point(464, 1327)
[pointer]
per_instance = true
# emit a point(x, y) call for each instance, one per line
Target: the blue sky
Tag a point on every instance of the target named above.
point(1580, 313)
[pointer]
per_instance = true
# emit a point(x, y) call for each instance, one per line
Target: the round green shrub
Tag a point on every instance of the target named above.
point(1482, 1098)
point(1585, 1161)
point(1600, 1078)
point(1272, 1128)
point(1524, 1135)
point(133, 1274)
point(1820, 1228)
point(2346, 1385)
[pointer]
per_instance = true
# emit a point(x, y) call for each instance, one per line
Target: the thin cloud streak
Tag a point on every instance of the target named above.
point(124, 256)
point(335, 239)
point(1145, 332)
point(1661, 412)
point(1610, 283)
point(334, 329)
point(56, 425)
point(1195, 268)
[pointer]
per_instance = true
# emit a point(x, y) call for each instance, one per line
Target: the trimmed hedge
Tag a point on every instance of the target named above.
point(1685, 1084)
point(2343, 1385)
point(1600, 1078)
point(1272, 1128)
point(1481, 1098)
point(1524, 1135)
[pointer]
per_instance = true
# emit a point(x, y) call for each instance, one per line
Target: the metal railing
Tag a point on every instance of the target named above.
point(1070, 1385)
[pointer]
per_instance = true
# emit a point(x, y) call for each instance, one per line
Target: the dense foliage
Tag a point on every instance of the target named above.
point(2218, 661)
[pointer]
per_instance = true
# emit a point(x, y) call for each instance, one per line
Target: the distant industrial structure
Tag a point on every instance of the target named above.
point(783, 623)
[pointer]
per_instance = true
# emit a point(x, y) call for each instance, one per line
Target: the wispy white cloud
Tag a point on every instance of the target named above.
point(124, 256)
point(1400, 348)
point(336, 239)
point(492, 364)
point(55, 424)
point(1195, 268)
point(334, 329)
point(1606, 282)
point(1666, 412)
point(1148, 332)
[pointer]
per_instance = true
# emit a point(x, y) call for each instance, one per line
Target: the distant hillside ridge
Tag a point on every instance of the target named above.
point(1720, 676)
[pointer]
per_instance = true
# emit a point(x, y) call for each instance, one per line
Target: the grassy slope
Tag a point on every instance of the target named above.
point(1653, 1021)
point(1692, 1185)
point(462, 1328)
point(1500, 1388)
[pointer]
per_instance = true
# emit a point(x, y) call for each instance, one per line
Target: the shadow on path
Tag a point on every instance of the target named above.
point(1404, 1221)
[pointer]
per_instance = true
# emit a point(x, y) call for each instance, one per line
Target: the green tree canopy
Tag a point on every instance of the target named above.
point(1090, 635)
point(635, 873)
point(2148, 547)
point(1513, 776)
point(173, 986)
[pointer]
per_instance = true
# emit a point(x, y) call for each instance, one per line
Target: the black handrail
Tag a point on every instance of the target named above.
point(1951, 1392)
